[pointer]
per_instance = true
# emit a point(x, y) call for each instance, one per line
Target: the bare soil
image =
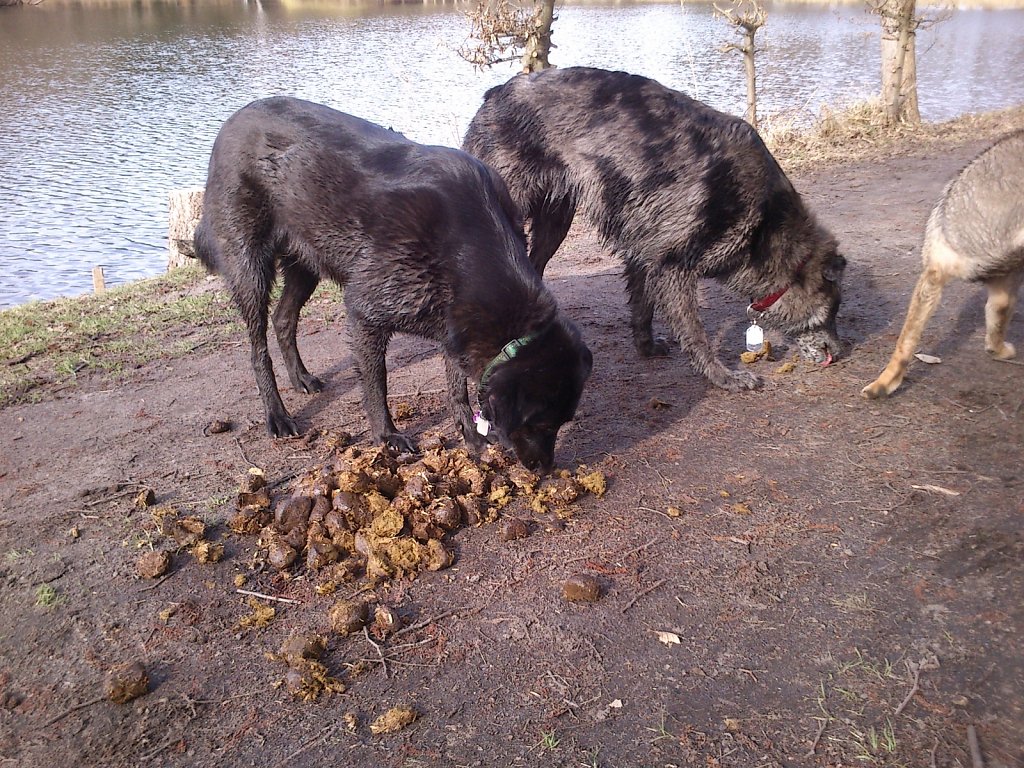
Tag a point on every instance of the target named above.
point(837, 582)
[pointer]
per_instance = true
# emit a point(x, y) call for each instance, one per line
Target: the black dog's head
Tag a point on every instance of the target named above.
point(530, 396)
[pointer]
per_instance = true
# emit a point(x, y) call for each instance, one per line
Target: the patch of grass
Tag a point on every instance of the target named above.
point(47, 596)
point(660, 731)
point(549, 740)
point(875, 746)
point(854, 604)
point(48, 345)
point(14, 555)
point(854, 705)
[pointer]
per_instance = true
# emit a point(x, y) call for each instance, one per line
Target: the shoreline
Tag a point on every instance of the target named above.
point(956, 5)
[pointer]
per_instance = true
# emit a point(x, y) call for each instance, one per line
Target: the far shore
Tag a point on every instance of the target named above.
point(991, 5)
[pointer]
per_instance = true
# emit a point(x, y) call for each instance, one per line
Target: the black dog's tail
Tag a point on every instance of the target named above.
point(205, 249)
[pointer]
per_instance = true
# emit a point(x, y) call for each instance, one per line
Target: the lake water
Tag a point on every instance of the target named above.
point(103, 111)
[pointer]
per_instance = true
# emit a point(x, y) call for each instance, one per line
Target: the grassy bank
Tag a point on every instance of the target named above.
point(48, 347)
point(858, 132)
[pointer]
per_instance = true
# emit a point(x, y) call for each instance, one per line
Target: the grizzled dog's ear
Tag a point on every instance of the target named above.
point(834, 266)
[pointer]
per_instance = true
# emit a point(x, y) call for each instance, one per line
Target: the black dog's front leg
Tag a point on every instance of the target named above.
point(458, 397)
point(370, 345)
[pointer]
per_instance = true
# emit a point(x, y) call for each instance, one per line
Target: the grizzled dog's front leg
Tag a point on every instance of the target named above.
point(677, 298)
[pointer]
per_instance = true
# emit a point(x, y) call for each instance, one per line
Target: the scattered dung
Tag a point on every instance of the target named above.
point(366, 517)
point(349, 616)
point(581, 589)
point(308, 680)
point(394, 720)
point(300, 646)
point(145, 499)
point(218, 426)
point(513, 529)
point(153, 565)
point(207, 551)
point(260, 617)
point(370, 514)
point(126, 682)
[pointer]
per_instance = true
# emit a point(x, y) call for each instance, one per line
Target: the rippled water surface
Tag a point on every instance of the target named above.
point(103, 111)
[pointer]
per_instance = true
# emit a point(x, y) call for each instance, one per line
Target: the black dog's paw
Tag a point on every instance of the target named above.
point(735, 381)
point(400, 443)
point(282, 425)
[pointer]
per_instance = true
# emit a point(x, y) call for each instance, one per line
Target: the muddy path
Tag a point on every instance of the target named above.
point(789, 577)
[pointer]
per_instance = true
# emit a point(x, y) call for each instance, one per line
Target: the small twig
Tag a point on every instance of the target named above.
point(641, 548)
point(817, 737)
point(287, 600)
point(113, 496)
point(1008, 362)
point(425, 622)
point(282, 480)
point(377, 648)
point(158, 583)
point(917, 669)
point(654, 586)
point(73, 709)
point(972, 741)
point(324, 733)
point(241, 450)
point(931, 761)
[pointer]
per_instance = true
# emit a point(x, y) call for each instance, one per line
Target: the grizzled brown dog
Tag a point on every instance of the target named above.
point(425, 240)
point(678, 190)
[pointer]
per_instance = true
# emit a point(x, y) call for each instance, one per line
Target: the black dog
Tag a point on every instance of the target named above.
point(677, 189)
point(425, 240)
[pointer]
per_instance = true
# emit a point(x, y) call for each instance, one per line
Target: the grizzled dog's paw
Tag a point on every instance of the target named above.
point(735, 381)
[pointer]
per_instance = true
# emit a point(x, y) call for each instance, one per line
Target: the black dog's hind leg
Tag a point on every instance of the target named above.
point(677, 298)
point(370, 345)
point(549, 224)
point(641, 312)
point(299, 284)
point(250, 284)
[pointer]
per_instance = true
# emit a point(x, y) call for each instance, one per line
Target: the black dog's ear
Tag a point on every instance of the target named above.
point(834, 268)
point(503, 404)
point(587, 358)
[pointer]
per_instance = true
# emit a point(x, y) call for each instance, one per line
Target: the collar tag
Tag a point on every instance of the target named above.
point(755, 337)
point(483, 426)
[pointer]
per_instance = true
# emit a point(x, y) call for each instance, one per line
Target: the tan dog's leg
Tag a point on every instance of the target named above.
point(926, 297)
point(1002, 294)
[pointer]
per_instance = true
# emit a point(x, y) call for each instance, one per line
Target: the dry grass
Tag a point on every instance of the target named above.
point(858, 132)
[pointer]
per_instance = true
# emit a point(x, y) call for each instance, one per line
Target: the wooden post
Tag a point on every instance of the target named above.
point(99, 285)
point(184, 208)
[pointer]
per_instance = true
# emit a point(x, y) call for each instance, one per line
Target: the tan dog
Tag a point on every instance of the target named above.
point(974, 233)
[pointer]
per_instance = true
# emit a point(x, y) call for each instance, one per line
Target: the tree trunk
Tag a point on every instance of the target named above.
point(748, 65)
point(899, 65)
point(538, 45)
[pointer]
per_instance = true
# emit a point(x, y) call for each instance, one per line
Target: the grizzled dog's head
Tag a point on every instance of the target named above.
point(528, 397)
point(807, 310)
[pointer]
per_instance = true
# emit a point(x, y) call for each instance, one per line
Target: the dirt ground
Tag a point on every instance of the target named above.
point(838, 582)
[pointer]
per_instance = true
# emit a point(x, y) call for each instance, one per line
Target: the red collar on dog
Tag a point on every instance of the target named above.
point(762, 304)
